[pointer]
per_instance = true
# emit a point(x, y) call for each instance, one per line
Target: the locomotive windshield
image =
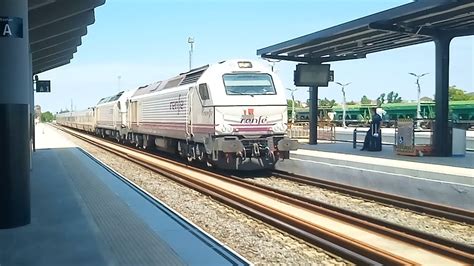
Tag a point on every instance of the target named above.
point(248, 84)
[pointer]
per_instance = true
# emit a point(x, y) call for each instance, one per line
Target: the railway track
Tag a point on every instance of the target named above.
point(352, 238)
point(429, 208)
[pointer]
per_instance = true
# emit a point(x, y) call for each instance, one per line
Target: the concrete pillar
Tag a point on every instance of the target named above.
point(313, 115)
point(442, 142)
point(14, 115)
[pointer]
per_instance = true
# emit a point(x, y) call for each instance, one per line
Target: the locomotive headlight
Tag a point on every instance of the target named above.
point(224, 129)
point(244, 64)
point(279, 127)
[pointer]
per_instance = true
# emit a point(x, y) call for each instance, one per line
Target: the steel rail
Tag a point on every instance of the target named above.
point(407, 234)
point(433, 209)
point(370, 254)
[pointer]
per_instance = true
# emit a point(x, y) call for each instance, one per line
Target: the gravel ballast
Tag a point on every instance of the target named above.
point(258, 242)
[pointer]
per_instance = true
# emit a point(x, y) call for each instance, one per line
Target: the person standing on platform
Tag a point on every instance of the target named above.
point(373, 138)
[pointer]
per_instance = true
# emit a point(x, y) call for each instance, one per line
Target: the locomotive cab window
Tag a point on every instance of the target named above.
point(248, 84)
point(203, 91)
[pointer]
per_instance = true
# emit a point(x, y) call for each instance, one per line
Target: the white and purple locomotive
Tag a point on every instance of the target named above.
point(231, 114)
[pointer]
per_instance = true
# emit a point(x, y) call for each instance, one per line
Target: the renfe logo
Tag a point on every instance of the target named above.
point(249, 118)
point(177, 105)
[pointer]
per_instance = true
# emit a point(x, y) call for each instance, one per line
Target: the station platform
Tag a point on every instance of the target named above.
point(85, 214)
point(443, 180)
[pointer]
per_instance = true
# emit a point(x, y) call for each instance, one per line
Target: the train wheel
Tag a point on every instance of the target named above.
point(200, 152)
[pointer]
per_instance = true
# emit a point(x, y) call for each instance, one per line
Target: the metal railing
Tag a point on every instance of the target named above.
point(326, 131)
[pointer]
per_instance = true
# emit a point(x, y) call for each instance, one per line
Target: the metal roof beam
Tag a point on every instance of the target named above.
point(462, 32)
point(293, 58)
point(60, 47)
point(58, 11)
point(314, 60)
point(46, 68)
point(54, 60)
point(390, 46)
point(56, 53)
point(333, 45)
point(353, 47)
point(393, 13)
point(34, 4)
point(73, 35)
point(442, 17)
point(400, 28)
point(61, 27)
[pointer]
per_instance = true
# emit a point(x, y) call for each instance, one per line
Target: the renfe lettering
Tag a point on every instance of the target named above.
point(252, 120)
point(177, 105)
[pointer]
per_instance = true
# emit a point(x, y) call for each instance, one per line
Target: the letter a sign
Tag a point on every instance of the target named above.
point(11, 27)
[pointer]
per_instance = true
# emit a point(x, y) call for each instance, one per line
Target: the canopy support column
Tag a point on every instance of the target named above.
point(15, 125)
point(313, 115)
point(442, 142)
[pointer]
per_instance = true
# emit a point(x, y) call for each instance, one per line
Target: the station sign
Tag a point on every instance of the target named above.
point(309, 75)
point(43, 86)
point(11, 27)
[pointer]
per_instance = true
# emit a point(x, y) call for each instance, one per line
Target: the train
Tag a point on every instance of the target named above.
point(231, 115)
point(460, 112)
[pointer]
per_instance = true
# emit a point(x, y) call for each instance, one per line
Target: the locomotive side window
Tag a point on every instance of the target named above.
point(203, 91)
point(248, 84)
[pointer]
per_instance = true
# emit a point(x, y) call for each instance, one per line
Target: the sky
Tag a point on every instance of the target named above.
point(136, 42)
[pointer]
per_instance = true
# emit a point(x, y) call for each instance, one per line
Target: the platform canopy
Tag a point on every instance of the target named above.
point(413, 23)
point(56, 28)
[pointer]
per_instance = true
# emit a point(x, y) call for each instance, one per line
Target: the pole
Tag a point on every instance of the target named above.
point(293, 115)
point(313, 115)
point(191, 43)
point(292, 107)
point(343, 86)
point(418, 105)
point(343, 107)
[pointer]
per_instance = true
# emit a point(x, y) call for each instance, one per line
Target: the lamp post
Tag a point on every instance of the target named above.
point(292, 104)
point(418, 106)
point(191, 43)
point(343, 102)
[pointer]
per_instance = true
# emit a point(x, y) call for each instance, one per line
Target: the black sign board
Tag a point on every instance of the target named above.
point(308, 75)
point(11, 27)
point(43, 86)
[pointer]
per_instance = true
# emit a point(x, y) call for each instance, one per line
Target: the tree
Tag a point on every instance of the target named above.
point(326, 102)
point(365, 100)
point(290, 102)
point(390, 97)
point(456, 94)
point(351, 103)
point(47, 117)
point(381, 99)
point(396, 98)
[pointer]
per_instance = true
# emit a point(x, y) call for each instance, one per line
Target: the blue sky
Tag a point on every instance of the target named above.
point(146, 40)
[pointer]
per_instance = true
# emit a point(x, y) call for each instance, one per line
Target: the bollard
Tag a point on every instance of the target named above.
point(354, 138)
